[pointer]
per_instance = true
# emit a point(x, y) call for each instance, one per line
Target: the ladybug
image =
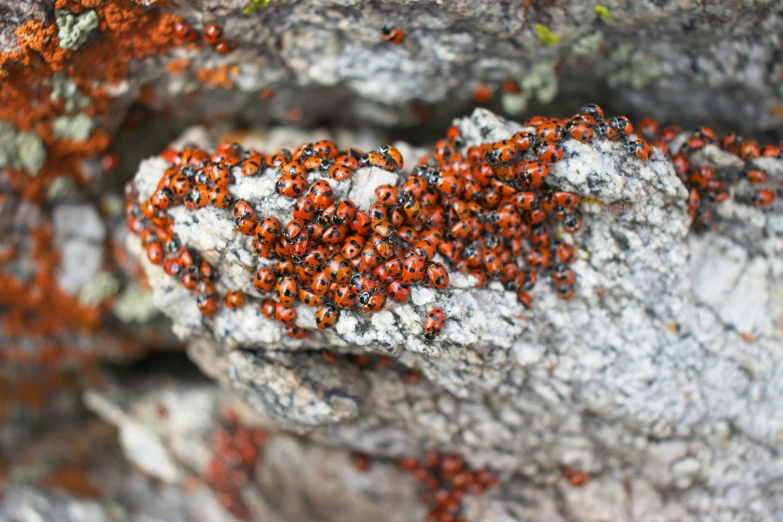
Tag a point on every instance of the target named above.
point(234, 300)
point(749, 150)
point(320, 283)
point(437, 275)
point(393, 35)
point(155, 252)
point(549, 151)
point(184, 32)
point(265, 280)
point(414, 270)
point(162, 198)
point(501, 152)
point(550, 131)
point(372, 302)
point(398, 291)
point(593, 110)
point(295, 332)
point(219, 174)
point(325, 148)
point(316, 257)
point(763, 198)
point(433, 324)
point(756, 176)
point(304, 209)
point(622, 124)
point(309, 298)
point(387, 194)
point(565, 199)
point(605, 129)
point(326, 316)
point(344, 297)
point(563, 276)
point(212, 34)
point(284, 314)
point(179, 185)
point(219, 197)
point(286, 290)
point(340, 172)
point(321, 194)
point(291, 185)
point(339, 269)
point(565, 253)
point(640, 148)
point(648, 128)
point(225, 46)
point(394, 155)
point(206, 305)
point(251, 166)
point(580, 130)
point(572, 223)
point(172, 267)
point(352, 246)
point(292, 229)
point(534, 173)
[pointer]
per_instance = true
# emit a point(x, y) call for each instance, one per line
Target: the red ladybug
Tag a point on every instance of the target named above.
point(321, 194)
point(267, 229)
point(234, 300)
point(763, 198)
point(212, 34)
point(184, 32)
point(398, 291)
point(393, 35)
point(284, 314)
point(206, 305)
point(437, 275)
point(251, 166)
point(414, 270)
point(433, 324)
point(291, 185)
point(339, 269)
point(155, 252)
point(326, 316)
point(286, 290)
point(265, 280)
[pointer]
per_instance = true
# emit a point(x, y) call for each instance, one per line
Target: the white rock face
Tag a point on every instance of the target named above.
point(644, 379)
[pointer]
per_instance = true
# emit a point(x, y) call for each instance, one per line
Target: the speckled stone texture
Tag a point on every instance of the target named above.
point(689, 63)
point(660, 377)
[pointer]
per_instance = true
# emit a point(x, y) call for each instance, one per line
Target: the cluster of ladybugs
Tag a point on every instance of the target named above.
point(705, 189)
point(487, 211)
point(235, 451)
point(446, 480)
point(213, 35)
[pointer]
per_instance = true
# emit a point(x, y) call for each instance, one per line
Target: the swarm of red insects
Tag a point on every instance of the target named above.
point(486, 210)
point(212, 35)
point(445, 480)
point(706, 187)
point(236, 449)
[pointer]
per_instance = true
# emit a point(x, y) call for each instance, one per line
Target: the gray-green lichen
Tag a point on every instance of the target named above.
point(587, 44)
point(77, 128)
point(60, 187)
point(73, 30)
point(21, 150)
point(64, 89)
point(134, 305)
point(98, 289)
point(542, 81)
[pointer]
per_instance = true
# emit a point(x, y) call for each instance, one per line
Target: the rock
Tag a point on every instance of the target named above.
point(634, 364)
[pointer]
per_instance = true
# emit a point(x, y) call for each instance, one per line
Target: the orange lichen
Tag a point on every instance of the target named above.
point(38, 308)
point(219, 76)
point(125, 32)
point(176, 67)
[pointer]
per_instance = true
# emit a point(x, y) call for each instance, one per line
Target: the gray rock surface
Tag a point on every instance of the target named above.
point(644, 379)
